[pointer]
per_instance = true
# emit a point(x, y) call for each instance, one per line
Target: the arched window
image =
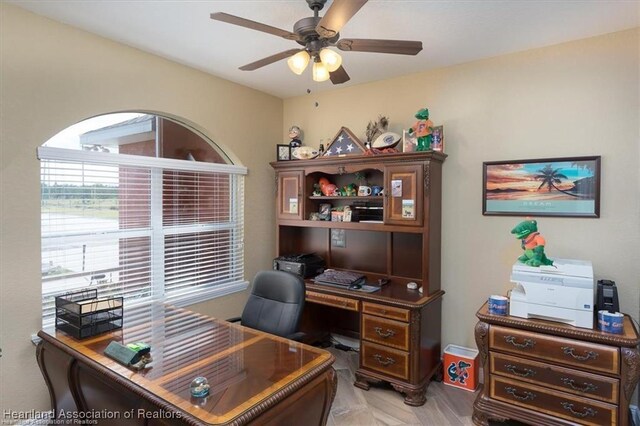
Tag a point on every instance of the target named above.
point(139, 206)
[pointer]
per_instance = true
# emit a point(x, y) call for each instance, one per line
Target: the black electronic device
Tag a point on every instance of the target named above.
point(305, 265)
point(607, 296)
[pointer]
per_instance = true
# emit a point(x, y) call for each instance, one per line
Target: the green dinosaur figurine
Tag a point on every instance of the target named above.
point(422, 129)
point(532, 244)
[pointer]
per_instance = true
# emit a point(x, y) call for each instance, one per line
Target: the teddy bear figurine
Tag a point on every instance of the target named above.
point(422, 130)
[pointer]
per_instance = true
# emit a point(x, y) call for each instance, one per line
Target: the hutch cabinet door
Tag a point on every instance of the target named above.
point(403, 195)
point(289, 197)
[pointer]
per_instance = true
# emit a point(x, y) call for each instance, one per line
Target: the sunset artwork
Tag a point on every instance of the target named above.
point(554, 187)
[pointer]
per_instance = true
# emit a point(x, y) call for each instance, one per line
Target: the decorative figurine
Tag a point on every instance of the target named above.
point(199, 387)
point(327, 188)
point(422, 130)
point(316, 190)
point(295, 134)
point(350, 190)
point(532, 243)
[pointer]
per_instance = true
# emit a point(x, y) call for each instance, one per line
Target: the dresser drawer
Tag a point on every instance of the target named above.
point(386, 332)
point(575, 353)
point(385, 360)
point(331, 300)
point(572, 381)
point(385, 311)
point(574, 408)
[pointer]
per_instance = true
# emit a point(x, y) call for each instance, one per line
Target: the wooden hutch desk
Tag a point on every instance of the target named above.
point(548, 373)
point(254, 376)
point(398, 328)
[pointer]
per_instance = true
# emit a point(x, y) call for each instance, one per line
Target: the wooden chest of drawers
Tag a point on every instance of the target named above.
point(548, 373)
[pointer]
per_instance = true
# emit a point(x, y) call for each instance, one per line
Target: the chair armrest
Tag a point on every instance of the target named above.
point(234, 319)
point(297, 336)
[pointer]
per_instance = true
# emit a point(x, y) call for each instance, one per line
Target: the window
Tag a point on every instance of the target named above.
point(139, 206)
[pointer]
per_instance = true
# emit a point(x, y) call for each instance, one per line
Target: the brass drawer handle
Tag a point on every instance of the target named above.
point(587, 354)
point(385, 335)
point(588, 411)
point(528, 343)
point(587, 387)
point(388, 361)
point(525, 372)
point(527, 395)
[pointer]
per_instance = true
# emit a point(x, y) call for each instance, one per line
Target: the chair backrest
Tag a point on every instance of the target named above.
point(275, 304)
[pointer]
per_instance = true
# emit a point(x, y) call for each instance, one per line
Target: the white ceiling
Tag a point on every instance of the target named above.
point(451, 31)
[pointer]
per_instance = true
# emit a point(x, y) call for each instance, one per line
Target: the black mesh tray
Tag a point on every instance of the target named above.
point(82, 314)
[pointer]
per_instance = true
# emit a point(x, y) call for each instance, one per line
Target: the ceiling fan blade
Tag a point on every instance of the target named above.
point(247, 23)
point(337, 15)
point(339, 76)
point(400, 47)
point(269, 60)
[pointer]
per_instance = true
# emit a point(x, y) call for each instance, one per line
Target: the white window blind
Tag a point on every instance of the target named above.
point(140, 227)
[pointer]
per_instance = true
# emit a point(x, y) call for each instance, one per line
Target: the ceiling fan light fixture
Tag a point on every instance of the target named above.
point(298, 62)
point(331, 59)
point(320, 72)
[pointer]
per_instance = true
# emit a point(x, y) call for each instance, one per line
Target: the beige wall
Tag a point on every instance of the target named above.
point(52, 76)
point(578, 98)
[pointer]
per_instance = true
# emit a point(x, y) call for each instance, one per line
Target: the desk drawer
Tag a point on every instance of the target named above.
point(386, 332)
point(385, 311)
point(575, 353)
point(331, 300)
point(385, 360)
point(574, 408)
point(572, 381)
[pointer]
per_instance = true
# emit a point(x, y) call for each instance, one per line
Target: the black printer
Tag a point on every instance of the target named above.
point(306, 265)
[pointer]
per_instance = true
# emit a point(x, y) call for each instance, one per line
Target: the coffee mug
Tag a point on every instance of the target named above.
point(376, 190)
point(611, 322)
point(498, 305)
point(364, 191)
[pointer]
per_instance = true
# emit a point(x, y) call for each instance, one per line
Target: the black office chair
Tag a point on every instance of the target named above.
point(275, 304)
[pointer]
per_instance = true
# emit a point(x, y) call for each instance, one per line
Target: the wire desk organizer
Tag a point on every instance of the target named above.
point(81, 314)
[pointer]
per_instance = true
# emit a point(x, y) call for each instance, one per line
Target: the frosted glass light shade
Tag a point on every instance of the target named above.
point(320, 72)
point(331, 59)
point(298, 62)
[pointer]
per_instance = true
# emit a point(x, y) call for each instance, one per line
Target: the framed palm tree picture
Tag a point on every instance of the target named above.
point(567, 187)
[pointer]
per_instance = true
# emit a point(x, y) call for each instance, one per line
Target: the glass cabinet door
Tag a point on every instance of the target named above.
point(403, 195)
point(290, 195)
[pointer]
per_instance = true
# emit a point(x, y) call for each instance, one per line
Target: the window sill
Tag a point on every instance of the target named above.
point(209, 294)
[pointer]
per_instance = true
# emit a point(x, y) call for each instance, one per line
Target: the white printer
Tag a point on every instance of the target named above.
point(564, 292)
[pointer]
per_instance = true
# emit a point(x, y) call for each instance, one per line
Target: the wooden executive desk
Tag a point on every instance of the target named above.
point(255, 377)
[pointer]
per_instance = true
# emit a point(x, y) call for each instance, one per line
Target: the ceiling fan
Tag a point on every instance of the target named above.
point(316, 34)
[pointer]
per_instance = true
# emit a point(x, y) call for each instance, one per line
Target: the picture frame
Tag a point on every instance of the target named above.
point(561, 187)
point(409, 141)
point(283, 152)
point(437, 142)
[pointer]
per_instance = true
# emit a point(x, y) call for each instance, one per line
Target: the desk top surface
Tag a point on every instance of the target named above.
point(392, 294)
point(244, 367)
point(629, 338)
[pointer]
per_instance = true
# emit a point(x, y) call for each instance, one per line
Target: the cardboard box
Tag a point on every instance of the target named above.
point(461, 367)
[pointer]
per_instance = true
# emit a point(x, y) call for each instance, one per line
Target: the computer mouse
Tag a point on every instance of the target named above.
point(355, 286)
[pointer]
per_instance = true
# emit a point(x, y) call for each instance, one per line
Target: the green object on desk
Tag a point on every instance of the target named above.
point(122, 354)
